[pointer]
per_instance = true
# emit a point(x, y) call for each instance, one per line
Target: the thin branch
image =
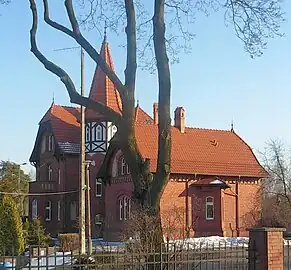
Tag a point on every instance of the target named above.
point(83, 42)
point(75, 97)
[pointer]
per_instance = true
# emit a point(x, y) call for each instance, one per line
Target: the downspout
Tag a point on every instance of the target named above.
point(237, 207)
point(187, 209)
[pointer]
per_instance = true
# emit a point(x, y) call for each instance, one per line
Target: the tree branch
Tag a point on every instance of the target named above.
point(83, 42)
point(130, 71)
point(75, 97)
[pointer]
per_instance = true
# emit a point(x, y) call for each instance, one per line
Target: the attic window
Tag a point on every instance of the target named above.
point(148, 121)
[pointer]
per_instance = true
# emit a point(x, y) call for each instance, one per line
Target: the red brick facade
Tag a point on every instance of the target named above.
point(214, 172)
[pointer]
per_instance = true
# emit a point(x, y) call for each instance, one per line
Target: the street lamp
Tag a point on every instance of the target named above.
point(19, 167)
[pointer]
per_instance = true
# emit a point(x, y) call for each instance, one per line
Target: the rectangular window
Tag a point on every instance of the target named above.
point(98, 219)
point(59, 176)
point(48, 211)
point(73, 211)
point(43, 144)
point(209, 211)
point(98, 188)
point(123, 166)
point(34, 213)
point(59, 210)
point(50, 173)
point(51, 143)
point(120, 209)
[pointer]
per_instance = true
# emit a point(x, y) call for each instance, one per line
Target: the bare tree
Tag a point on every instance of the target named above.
point(250, 18)
point(276, 190)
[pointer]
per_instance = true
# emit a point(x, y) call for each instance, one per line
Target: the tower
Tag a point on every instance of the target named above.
point(99, 131)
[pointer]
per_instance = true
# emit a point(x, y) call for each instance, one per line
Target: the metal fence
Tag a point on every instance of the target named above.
point(287, 255)
point(169, 256)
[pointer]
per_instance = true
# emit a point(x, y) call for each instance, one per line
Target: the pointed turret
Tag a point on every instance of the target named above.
point(102, 89)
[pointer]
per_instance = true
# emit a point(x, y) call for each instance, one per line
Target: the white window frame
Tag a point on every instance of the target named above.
point(50, 173)
point(123, 166)
point(98, 183)
point(87, 133)
point(59, 210)
point(48, 207)
point(209, 204)
point(59, 176)
point(34, 210)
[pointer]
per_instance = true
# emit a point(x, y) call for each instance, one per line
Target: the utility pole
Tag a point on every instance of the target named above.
point(82, 183)
point(88, 188)
point(82, 168)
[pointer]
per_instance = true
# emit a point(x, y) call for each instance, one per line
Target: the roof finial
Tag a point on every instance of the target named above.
point(137, 103)
point(232, 129)
point(53, 98)
point(105, 31)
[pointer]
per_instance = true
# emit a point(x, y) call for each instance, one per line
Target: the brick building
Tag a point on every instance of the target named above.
point(214, 181)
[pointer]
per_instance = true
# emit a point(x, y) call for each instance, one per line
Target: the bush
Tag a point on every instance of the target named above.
point(35, 234)
point(11, 230)
point(69, 241)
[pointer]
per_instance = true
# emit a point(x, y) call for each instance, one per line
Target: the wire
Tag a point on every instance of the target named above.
point(38, 194)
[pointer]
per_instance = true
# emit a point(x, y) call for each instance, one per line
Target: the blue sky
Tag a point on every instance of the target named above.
point(216, 82)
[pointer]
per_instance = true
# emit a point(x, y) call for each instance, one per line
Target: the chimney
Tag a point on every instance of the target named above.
point(156, 113)
point(180, 119)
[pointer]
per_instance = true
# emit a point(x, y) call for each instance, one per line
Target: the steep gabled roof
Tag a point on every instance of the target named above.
point(102, 88)
point(202, 151)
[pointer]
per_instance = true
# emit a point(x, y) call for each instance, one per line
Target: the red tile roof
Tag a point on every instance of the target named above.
point(102, 89)
point(197, 151)
point(202, 151)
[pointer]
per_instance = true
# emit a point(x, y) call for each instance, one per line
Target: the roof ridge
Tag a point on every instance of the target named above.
point(210, 129)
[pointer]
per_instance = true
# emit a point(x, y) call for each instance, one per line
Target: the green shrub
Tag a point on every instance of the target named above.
point(69, 241)
point(35, 234)
point(11, 230)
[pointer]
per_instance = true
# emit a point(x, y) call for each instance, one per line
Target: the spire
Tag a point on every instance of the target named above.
point(105, 32)
point(102, 89)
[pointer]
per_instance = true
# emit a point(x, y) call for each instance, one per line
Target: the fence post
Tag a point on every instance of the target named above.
point(266, 249)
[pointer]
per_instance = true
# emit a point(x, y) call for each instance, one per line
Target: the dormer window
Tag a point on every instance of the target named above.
point(50, 173)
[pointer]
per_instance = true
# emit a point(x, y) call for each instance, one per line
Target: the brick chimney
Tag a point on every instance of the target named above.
point(180, 119)
point(156, 113)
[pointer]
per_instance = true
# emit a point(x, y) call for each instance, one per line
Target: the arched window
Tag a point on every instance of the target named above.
point(50, 143)
point(209, 211)
point(48, 211)
point(124, 203)
point(97, 133)
point(124, 167)
point(34, 213)
point(87, 133)
point(50, 173)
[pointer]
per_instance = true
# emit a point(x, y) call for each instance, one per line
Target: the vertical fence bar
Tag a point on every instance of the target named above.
point(288, 254)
